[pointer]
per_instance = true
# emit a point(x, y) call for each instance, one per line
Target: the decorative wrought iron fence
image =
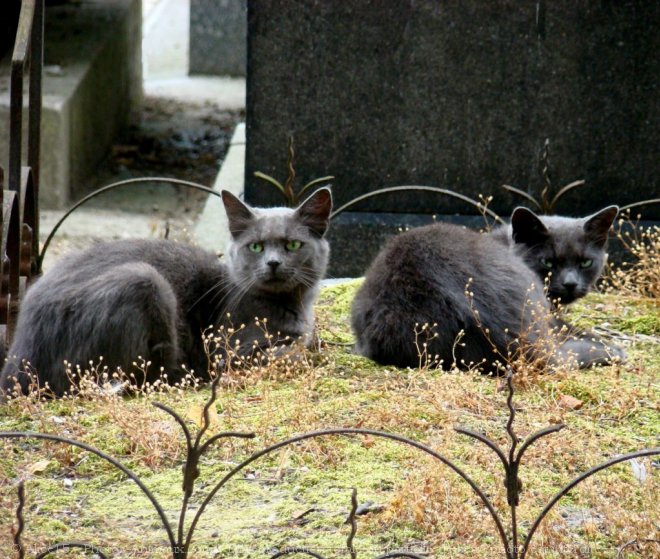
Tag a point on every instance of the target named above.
point(19, 233)
point(180, 534)
point(21, 261)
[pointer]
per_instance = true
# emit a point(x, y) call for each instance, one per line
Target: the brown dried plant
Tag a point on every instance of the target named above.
point(640, 274)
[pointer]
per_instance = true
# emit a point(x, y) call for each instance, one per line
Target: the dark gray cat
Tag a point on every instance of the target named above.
point(567, 252)
point(153, 299)
point(420, 277)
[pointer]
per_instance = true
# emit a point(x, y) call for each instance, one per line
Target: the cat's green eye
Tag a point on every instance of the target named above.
point(256, 247)
point(547, 263)
point(293, 246)
point(586, 263)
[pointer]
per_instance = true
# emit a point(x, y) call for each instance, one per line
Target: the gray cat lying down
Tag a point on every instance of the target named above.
point(569, 253)
point(420, 277)
point(153, 299)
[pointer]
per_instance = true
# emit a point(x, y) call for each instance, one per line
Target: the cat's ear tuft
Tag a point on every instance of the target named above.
point(238, 213)
point(527, 228)
point(597, 226)
point(315, 211)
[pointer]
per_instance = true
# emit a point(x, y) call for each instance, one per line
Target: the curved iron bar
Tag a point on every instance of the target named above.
point(107, 458)
point(178, 419)
point(436, 189)
point(51, 549)
point(533, 438)
point(206, 412)
point(641, 203)
point(401, 554)
point(488, 442)
point(353, 521)
point(566, 489)
point(512, 413)
point(112, 186)
point(512, 463)
point(223, 435)
point(563, 190)
point(632, 543)
point(295, 550)
point(523, 194)
point(344, 431)
point(73, 545)
point(191, 472)
point(512, 481)
point(195, 451)
point(20, 520)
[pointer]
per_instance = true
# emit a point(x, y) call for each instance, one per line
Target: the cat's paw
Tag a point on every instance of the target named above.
point(616, 354)
point(592, 352)
point(601, 354)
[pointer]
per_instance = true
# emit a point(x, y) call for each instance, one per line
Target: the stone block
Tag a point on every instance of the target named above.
point(460, 95)
point(212, 229)
point(218, 37)
point(92, 84)
point(357, 237)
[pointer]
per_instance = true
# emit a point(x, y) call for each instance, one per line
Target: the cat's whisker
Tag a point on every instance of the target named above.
point(223, 282)
point(229, 294)
point(236, 295)
point(137, 313)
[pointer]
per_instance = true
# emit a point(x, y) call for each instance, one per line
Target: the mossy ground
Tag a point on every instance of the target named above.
point(300, 495)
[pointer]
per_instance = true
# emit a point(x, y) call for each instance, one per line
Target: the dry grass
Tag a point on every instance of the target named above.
point(301, 495)
point(640, 275)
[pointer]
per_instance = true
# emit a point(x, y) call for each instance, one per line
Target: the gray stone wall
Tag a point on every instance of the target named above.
point(92, 86)
point(218, 43)
point(456, 94)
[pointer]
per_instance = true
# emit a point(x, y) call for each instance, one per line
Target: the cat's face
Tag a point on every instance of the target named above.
point(278, 250)
point(569, 253)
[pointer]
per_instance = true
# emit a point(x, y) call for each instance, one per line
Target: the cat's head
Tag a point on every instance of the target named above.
point(278, 250)
point(569, 252)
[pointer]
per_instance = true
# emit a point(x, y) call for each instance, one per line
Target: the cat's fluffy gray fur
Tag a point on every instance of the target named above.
point(569, 253)
point(153, 299)
point(420, 277)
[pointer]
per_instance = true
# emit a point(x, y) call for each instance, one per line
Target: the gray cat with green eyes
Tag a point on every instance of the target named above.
point(482, 295)
point(153, 299)
point(568, 253)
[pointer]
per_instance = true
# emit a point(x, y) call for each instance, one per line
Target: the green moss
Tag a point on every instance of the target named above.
point(648, 324)
point(334, 310)
point(260, 509)
point(634, 316)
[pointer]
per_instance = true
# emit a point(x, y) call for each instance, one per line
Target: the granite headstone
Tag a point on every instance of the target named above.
point(218, 30)
point(460, 95)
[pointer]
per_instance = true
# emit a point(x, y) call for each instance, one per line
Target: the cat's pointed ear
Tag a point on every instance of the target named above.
point(598, 225)
point(315, 211)
point(238, 213)
point(527, 228)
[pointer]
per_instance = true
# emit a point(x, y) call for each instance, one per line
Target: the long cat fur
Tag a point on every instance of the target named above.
point(567, 253)
point(153, 299)
point(481, 301)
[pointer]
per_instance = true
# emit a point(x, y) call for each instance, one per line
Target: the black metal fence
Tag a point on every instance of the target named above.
point(19, 233)
point(21, 261)
point(180, 533)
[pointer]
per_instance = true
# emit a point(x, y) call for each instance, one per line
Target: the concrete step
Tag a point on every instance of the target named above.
point(92, 83)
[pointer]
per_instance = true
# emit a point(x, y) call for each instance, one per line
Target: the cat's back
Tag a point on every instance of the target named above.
point(450, 278)
point(167, 256)
point(177, 262)
point(443, 254)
